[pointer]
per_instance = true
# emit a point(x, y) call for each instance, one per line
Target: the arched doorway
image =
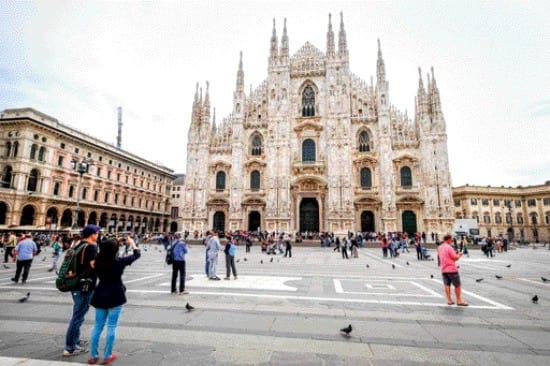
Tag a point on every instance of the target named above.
point(51, 218)
point(81, 221)
point(219, 221)
point(367, 221)
point(67, 218)
point(409, 222)
point(92, 219)
point(103, 220)
point(3, 213)
point(173, 227)
point(254, 220)
point(27, 215)
point(309, 215)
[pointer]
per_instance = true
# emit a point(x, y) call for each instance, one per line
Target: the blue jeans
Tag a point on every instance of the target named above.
point(81, 304)
point(102, 316)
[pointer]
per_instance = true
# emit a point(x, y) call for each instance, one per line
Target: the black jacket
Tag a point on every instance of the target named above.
point(110, 292)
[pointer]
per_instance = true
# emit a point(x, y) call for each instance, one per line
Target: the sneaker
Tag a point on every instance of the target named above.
point(109, 359)
point(76, 351)
point(93, 360)
point(184, 292)
point(14, 280)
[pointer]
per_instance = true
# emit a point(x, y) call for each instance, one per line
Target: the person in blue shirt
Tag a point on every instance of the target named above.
point(25, 250)
point(230, 251)
point(179, 249)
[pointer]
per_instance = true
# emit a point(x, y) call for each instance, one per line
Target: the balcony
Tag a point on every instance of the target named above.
point(308, 167)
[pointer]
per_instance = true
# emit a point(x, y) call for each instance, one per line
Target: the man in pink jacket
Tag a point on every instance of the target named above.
point(449, 271)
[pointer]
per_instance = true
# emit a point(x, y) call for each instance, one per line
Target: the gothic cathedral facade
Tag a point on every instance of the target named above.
point(315, 148)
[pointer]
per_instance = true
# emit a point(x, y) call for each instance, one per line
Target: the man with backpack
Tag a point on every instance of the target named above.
point(83, 290)
point(179, 250)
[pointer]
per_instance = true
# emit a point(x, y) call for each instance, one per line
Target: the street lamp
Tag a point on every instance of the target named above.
point(509, 219)
point(81, 166)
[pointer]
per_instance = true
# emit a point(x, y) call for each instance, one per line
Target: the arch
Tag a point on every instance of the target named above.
point(406, 177)
point(67, 218)
point(157, 224)
point(256, 144)
point(27, 215)
point(363, 141)
point(92, 218)
point(3, 213)
point(52, 217)
point(255, 180)
point(308, 102)
point(220, 180)
point(81, 218)
point(309, 215)
point(33, 180)
point(219, 221)
point(408, 220)
point(173, 227)
point(7, 176)
point(41, 153)
point(366, 178)
point(34, 148)
point(308, 150)
point(254, 221)
point(103, 220)
point(367, 221)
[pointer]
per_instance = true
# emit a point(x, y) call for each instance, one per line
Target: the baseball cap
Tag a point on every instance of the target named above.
point(90, 230)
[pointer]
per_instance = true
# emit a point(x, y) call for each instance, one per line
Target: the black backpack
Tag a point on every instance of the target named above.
point(68, 278)
point(170, 254)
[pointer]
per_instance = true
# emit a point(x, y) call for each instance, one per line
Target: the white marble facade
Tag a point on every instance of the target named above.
point(314, 147)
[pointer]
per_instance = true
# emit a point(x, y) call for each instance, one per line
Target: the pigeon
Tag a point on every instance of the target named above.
point(25, 298)
point(498, 277)
point(245, 259)
point(393, 266)
point(479, 280)
point(261, 261)
point(6, 267)
point(43, 259)
point(238, 260)
point(347, 330)
point(368, 265)
point(508, 266)
point(535, 299)
point(271, 260)
point(189, 307)
point(51, 269)
point(544, 279)
point(431, 276)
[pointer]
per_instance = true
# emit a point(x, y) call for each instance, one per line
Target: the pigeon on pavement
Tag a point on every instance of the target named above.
point(25, 298)
point(498, 277)
point(544, 279)
point(393, 266)
point(261, 261)
point(189, 307)
point(347, 330)
point(479, 280)
point(271, 260)
point(508, 266)
point(6, 267)
point(245, 259)
point(431, 276)
point(408, 264)
point(43, 259)
point(535, 299)
point(368, 265)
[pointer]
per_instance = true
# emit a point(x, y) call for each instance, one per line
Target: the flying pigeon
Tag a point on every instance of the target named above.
point(544, 279)
point(271, 260)
point(508, 266)
point(189, 307)
point(393, 266)
point(25, 298)
point(535, 299)
point(347, 330)
point(498, 277)
point(479, 280)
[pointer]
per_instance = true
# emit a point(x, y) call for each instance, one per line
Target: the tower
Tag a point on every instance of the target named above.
point(119, 135)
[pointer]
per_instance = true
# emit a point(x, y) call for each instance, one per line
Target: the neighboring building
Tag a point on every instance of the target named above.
point(316, 148)
point(176, 204)
point(516, 213)
point(39, 187)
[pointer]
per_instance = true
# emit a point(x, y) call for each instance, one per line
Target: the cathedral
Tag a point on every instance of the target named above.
point(315, 148)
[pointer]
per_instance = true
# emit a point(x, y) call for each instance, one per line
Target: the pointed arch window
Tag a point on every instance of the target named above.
point(8, 149)
point(406, 177)
point(71, 191)
point(15, 148)
point(308, 102)
point(257, 146)
point(6, 177)
point(34, 147)
point(33, 180)
point(308, 150)
point(220, 181)
point(41, 153)
point(364, 144)
point(366, 178)
point(255, 180)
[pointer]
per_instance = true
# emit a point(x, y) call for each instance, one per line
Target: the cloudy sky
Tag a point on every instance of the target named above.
point(78, 60)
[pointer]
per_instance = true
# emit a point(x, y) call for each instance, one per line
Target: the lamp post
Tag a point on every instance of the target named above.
point(509, 219)
point(81, 166)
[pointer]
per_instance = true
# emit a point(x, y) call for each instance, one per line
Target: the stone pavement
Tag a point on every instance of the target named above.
point(289, 311)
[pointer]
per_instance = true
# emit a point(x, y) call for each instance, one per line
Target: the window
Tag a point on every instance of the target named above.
point(174, 213)
point(546, 201)
point(34, 147)
point(519, 219)
point(475, 217)
point(220, 181)
point(132, 201)
point(473, 201)
point(15, 148)
point(99, 172)
point(534, 219)
point(33, 180)
point(106, 197)
point(256, 148)
point(496, 202)
point(6, 177)
point(308, 150)
point(76, 150)
point(308, 102)
point(108, 174)
point(127, 178)
point(531, 203)
point(255, 180)
point(41, 153)
point(486, 219)
point(366, 178)
point(498, 219)
point(62, 145)
point(84, 193)
point(134, 181)
point(485, 202)
point(71, 191)
point(96, 195)
point(118, 177)
point(507, 203)
point(508, 218)
point(8, 149)
point(364, 142)
point(457, 203)
point(116, 198)
point(60, 161)
point(56, 189)
point(517, 203)
point(547, 218)
point(406, 177)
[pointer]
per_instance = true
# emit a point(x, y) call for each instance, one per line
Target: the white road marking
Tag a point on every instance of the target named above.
point(339, 289)
point(244, 282)
point(145, 278)
point(479, 297)
point(37, 279)
point(382, 286)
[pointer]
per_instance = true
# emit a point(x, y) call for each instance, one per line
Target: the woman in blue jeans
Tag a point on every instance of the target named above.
point(109, 295)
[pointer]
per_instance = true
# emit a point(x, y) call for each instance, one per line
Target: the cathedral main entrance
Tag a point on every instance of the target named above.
point(254, 220)
point(219, 221)
point(367, 221)
point(409, 222)
point(309, 215)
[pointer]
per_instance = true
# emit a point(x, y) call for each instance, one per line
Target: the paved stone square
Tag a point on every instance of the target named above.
point(288, 311)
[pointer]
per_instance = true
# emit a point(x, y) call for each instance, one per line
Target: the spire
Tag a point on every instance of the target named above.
point(196, 93)
point(273, 51)
point(435, 94)
point(240, 74)
point(214, 116)
point(330, 38)
point(342, 43)
point(420, 82)
point(284, 42)
point(206, 103)
point(380, 67)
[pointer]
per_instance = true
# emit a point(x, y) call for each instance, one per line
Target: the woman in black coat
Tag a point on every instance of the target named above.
point(109, 296)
